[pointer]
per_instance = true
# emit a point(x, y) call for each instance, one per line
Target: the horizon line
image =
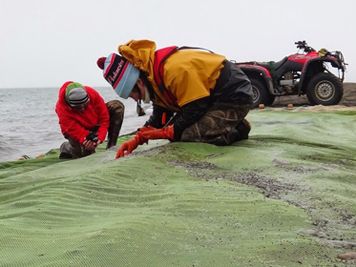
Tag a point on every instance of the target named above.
point(43, 87)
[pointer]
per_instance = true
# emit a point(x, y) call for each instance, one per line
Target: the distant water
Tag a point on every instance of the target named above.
point(29, 124)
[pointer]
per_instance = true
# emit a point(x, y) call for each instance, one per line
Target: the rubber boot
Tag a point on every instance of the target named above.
point(243, 128)
point(65, 151)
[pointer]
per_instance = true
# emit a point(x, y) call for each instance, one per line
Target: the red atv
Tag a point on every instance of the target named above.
point(298, 74)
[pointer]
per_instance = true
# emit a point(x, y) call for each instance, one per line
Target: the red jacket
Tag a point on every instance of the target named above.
point(77, 124)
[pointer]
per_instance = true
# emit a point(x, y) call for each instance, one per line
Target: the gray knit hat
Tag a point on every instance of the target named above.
point(76, 95)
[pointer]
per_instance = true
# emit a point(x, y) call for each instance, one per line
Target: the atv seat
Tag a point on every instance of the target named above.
point(272, 65)
point(279, 64)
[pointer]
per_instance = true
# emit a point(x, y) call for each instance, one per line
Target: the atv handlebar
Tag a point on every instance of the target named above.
point(303, 45)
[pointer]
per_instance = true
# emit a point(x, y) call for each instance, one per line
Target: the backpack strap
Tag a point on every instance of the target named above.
point(194, 47)
point(160, 57)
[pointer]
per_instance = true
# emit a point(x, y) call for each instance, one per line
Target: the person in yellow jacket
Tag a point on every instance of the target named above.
point(197, 95)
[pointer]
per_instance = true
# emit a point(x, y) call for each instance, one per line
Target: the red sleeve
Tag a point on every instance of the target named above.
point(73, 129)
point(70, 127)
point(103, 114)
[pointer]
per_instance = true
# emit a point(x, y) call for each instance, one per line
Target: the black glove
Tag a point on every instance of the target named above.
point(139, 110)
point(92, 136)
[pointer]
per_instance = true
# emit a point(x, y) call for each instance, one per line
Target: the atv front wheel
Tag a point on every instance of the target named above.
point(260, 93)
point(325, 89)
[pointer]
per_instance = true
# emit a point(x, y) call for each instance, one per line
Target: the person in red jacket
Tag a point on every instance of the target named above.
point(85, 119)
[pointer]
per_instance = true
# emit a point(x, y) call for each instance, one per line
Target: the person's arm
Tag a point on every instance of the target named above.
point(71, 128)
point(102, 112)
point(160, 116)
point(104, 120)
point(67, 122)
point(190, 114)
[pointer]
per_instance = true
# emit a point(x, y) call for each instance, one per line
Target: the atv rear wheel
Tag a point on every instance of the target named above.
point(260, 93)
point(325, 89)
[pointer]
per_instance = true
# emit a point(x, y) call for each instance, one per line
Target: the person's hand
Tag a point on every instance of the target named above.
point(89, 145)
point(130, 145)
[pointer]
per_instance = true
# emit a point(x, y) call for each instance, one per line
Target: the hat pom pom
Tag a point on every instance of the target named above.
point(100, 62)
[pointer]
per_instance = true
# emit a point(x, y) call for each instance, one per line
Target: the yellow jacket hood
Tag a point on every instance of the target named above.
point(140, 53)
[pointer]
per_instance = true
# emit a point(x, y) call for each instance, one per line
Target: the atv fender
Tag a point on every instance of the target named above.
point(260, 72)
point(313, 67)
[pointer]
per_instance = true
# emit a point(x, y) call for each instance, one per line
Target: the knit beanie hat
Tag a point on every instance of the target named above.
point(120, 73)
point(76, 95)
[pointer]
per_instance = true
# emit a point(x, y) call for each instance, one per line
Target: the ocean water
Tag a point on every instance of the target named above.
point(29, 124)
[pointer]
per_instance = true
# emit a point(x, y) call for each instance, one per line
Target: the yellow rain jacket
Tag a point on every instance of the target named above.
point(188, 74)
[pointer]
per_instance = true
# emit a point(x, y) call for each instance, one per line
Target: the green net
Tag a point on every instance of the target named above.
point(285, 197)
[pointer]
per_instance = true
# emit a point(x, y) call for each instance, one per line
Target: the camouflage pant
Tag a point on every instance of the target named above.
point(72, 148)
point(223, 124)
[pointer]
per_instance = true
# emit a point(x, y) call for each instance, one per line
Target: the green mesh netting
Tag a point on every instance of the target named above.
point(285, 197)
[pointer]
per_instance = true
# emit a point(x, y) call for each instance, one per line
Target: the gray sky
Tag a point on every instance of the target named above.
point(46, 42)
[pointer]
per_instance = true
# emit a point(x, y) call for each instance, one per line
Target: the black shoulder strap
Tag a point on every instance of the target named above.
point(193, 47)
